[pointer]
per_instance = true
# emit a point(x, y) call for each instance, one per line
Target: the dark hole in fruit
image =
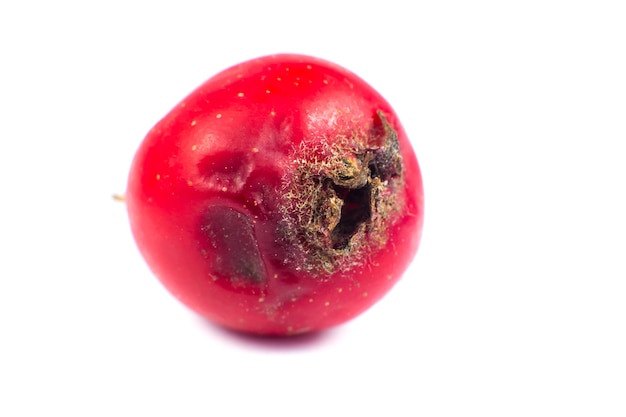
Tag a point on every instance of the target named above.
point(355, 211)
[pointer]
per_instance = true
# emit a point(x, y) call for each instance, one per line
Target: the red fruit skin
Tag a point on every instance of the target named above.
point(213, 197)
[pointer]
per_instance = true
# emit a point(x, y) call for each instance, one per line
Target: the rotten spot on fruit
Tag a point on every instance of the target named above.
point(339, 202)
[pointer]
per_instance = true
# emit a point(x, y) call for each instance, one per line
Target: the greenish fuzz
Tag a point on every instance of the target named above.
point(337, 208)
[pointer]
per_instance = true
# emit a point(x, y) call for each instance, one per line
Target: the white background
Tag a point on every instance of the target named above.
point(514, 306)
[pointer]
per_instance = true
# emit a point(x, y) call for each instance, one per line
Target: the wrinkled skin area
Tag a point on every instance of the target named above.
point(280, 197)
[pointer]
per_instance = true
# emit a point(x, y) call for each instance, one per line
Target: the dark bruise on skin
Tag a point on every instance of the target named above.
point(387, 162)
point(230, 235)
point(340, 205)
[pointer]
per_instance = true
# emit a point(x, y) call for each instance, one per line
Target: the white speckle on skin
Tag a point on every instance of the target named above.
point(194, 147)
point(327, 303)
point(308, 67)
point(224, 189)
point(267, 91)
point(310, 300)
point(240, 95)
point(189, 183)
point(193, 123)
point(219, 115)
point(261, 299)
point(323, 118)
point(158, 176)
point(255, 150)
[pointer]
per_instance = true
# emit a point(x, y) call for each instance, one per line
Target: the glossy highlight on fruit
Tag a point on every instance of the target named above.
point(282, 196)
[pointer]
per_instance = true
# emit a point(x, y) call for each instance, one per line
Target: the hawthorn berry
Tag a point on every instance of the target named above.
point(282, 196)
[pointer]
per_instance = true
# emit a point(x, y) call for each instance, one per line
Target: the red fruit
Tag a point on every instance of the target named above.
point(280, 197)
